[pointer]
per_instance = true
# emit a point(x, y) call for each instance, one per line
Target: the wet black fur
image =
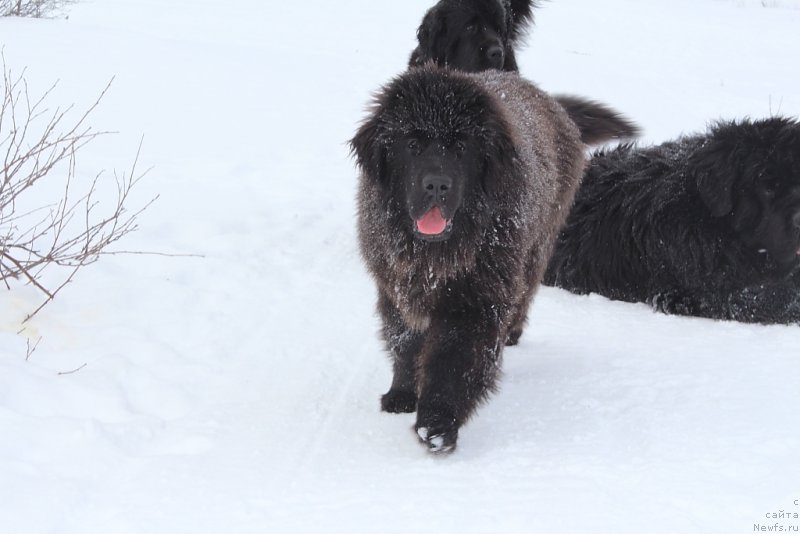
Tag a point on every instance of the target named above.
point(444, 39)
point(448, 307)
point(705, 226)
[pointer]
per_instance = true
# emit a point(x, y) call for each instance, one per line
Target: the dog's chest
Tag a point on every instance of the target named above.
point(416, 297)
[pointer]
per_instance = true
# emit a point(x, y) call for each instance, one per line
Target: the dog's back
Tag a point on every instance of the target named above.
point(627, 207)
point(707, 225)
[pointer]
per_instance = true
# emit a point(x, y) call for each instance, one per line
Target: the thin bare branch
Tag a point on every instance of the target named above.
point(75, 229)
point(31, 349)
point(33, 8)
point(62, 373)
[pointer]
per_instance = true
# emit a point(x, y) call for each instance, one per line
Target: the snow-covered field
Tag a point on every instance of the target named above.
point(238, 392)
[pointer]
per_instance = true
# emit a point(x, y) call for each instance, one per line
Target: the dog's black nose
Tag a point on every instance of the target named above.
point(495, 54)
point(436, 184)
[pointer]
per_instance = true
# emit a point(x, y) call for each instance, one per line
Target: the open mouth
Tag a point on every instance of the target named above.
point(433, 226)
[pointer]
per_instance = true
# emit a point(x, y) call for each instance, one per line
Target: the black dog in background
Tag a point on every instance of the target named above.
point(708, 225)
point(477, 35)
point(473, 35)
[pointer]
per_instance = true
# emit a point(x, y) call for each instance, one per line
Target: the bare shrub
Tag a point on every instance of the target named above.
point(33, 8)
point(72, 228)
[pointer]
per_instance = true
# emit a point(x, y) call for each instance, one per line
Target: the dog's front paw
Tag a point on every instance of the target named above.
point(437, 429)
point(673, 303)
point(399, 401)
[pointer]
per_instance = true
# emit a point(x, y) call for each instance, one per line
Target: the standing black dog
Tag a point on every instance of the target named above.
point(708, 225)
point(465, 181)
point(477, 35)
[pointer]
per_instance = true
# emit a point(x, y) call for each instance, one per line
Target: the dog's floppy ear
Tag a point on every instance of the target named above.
point(715, 172)
point(430, 34)
point(369, 151)
point(521, 18)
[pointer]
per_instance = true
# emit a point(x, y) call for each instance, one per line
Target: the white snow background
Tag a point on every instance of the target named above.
point(237, 392)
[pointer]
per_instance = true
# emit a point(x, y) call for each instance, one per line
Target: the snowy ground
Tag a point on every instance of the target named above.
point(238, 392)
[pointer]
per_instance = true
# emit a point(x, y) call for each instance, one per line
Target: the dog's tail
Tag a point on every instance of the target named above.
point(597, 122)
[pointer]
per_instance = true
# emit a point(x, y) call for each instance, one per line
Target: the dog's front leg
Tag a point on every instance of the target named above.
point(403, 345)
point(458, 367)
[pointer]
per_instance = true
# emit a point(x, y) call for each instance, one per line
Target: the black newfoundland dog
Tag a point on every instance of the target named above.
point(708, 225)
point(473, 35)
point(465, 180)
point(478, 35)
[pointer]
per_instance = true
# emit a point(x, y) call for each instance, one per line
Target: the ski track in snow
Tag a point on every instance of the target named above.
point(238, 391)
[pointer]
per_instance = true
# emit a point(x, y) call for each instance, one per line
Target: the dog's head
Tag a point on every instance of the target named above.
point(472, 35)
point(436, 145)
point(749, 172)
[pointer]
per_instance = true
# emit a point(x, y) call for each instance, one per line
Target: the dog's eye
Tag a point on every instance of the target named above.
point(470, 28)
point(414, 146)
point(460, 147)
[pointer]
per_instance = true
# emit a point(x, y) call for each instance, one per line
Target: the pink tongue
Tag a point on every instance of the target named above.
point(432, 223)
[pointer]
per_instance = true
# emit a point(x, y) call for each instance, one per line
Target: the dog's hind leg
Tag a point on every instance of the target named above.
point(404, 345)
point(517, 327)
point(520, 317)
